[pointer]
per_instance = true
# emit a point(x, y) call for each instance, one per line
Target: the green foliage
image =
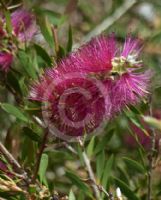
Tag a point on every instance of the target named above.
point(14, 111)
point(116, 160)
point(71, 196)
point(78, 182)
point(126, 190)
point(43, 167)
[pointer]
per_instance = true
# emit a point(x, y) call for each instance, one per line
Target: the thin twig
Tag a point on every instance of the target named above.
point(91, 175)
point(14, 6)
point(106, 23)
point(11, 160)
point(62, 145)
point(70, 148)
point(151, 156)
point(91, 181)
point(39, 155)
point(38, 121)
point(89, 170)
point(100, 188)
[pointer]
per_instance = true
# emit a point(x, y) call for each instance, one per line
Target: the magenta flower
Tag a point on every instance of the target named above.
point(24, 24)
point(101, 60)
point(128, 89)
point(96, 56)
point(129, 85)
point(93, 57)
point(5, 61)
point(24, 28)
point(72, 103)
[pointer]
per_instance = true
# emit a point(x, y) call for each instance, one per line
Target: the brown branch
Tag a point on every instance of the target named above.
point(39, 155)
point(151, 156)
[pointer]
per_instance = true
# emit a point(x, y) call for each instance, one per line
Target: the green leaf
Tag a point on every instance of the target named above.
point(43, 54)
point(70, 40)
point(153, 122)
point(125, 189)
point(71, 196)
point(27, 63)
point(23, 86)
point(77, 181)
point(31, 134)
point(61, 52)
point(54, 18)
point(134, 110)
point(46, 30)
point(103, 143)
point(14, 111)
point(28, 151)
point(132, 164)
point(107, 171)
point(8, 21)
point(134, 118)
point(100, 163)
point(14, 82)
point(90, 147)
point(123, 174)
point(43, 167)
point(79, 150)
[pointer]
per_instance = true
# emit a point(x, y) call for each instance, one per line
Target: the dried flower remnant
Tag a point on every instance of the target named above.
point(5, 169)
point(24, 27)
point(24, 24)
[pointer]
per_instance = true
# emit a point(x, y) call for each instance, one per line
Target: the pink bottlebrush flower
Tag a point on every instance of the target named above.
point(6, 60)
point(128, 89)
point(24, 24)
point(129, 85)
point(72, 103)
point(96, 56)
point(99, 59)
point(93, 57)
point(131, 48)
